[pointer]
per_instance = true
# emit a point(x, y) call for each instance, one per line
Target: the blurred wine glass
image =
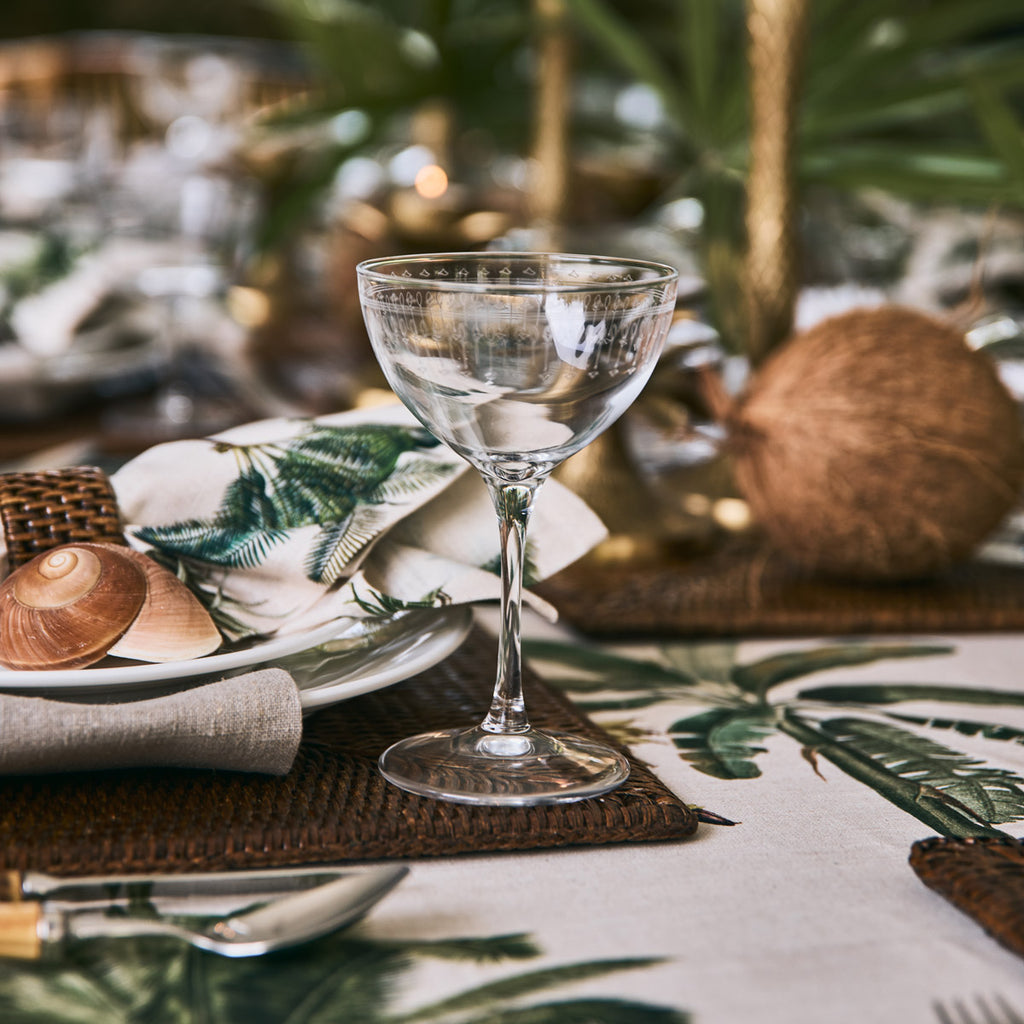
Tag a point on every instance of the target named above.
point(181, 195)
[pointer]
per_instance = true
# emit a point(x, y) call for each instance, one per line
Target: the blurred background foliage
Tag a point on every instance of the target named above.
point(916, 99)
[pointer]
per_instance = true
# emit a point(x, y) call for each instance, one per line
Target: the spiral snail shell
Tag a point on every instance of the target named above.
point(74, 604)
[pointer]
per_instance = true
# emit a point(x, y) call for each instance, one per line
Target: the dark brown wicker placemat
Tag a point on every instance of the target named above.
point(744, 588)
point(42, 509)
point(983, 877)
point(332, 806)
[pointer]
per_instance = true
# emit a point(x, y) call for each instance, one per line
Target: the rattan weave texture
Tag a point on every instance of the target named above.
point(743, 588)
point(982, 876)
point(43, 509)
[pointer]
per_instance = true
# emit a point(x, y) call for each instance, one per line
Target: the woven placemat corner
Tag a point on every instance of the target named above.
point(41, 509)
point(982, 876)
point(333, 806)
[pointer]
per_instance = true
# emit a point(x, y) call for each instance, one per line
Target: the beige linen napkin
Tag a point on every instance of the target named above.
point(248, 723)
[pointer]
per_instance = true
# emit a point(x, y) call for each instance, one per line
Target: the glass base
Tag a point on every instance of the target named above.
point(473, 766)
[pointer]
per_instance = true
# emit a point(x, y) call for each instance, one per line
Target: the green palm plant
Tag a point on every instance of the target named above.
point(918, 99)
point(342, 978)
point(853, 725)
point(386, 58)
point(913, 98)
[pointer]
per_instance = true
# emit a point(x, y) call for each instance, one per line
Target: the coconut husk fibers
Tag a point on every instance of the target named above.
point(877, 445)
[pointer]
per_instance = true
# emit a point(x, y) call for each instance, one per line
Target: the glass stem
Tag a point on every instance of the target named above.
point(514, 504)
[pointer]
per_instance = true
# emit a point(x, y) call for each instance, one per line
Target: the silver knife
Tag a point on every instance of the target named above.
point(17, 885)
point(30, 927)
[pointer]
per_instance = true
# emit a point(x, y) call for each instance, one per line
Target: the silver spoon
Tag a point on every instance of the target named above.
point(30, 927)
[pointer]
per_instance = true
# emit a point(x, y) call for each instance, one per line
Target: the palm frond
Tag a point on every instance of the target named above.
point(937, 810)
point(1002, 127)
point(915, 171)
point(992, 795)
point(365, 49)
point(950, 23)
point(163, 982)
point(706, 662)
point(99, 980)
point(489, 949)
point(340, 544)
point(521, 985)
point(413, 476)
point(609, 671)
point(722, 742)
point(607, 703)
point(889, 97)
point(182, 534)
point(311, 495)
point(965, 727)
point(203, 541)
point(246, 501)
point(229, 548)
point(589, 1011)
point(616, 34)
point(322, 474)
point(384, 605)
point(760, 676)
point(361, 444)
point(897, 693)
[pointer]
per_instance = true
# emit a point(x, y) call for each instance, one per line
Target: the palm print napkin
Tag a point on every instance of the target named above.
point(286, 524)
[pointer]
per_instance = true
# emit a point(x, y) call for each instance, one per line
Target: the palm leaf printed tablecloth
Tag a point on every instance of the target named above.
point(282, 525)
point(914, 742)
point(831, 758)
point(823, 761)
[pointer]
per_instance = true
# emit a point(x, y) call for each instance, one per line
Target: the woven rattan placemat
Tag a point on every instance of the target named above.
point(743, 588)
point(983, 877)
point(332, 806)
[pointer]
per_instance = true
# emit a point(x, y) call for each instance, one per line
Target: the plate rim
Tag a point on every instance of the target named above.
point(451, 636)
point(114, 677)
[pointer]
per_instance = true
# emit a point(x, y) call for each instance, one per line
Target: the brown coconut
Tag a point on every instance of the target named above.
point(877, 446)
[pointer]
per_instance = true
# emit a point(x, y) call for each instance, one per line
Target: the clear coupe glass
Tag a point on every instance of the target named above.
point(515, 361)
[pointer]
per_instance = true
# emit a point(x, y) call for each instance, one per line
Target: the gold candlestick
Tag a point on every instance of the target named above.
point(777, 30)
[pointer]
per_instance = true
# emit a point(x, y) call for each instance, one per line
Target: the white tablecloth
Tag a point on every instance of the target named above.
point(805, 912)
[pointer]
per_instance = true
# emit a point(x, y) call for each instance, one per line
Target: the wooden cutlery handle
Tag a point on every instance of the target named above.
point(19, 930)
point(10, 886)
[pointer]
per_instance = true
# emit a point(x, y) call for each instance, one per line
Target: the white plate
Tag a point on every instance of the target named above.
point(384, 652)
point(411, 645)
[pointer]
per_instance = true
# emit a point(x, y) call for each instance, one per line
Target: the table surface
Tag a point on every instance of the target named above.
point(804, 910)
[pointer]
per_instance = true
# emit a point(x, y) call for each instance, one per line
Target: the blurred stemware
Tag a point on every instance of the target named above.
point(180, 193)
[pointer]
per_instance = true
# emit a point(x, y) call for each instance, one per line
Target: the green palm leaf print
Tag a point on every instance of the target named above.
point(991, 795)
point(335, 478)
point(342, 979)
point(723, 742)
point(760, 676)
point(895, 693)
point(740, 706)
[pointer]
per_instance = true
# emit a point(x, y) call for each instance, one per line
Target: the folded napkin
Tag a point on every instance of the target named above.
point(248, 723)
point(67, 286)
point(286, 524)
